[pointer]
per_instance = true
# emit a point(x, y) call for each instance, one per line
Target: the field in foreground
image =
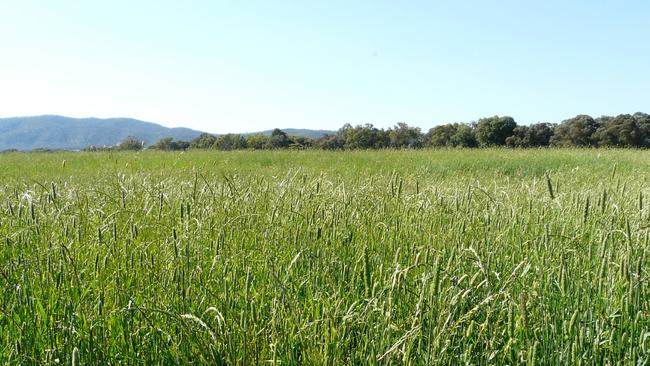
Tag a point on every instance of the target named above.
point(384, 257)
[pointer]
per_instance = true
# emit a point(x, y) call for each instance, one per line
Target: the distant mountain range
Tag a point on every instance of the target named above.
point(58, 132)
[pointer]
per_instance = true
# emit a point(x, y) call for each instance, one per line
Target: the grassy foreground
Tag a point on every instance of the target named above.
point(378, 257)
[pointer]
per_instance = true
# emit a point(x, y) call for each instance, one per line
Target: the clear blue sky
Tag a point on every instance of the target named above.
point(233, 66)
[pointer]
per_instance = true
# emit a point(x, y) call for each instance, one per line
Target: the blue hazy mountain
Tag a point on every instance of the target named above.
point(58, 132)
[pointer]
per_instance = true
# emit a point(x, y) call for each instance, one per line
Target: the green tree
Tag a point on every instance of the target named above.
point(230, 142)
point(257, 141)
point(536, 135)
point(181, 145)
point(576, 131)
point(643, 121)
point(130, 143)
point(452, 135)
point(404, 136)
point(278, 139)
point(621, 131)
point(204, 141)
point(441, 136)
point(363, 137)
point(493, 131)
point(519, 137)
point(465, 136)
point(330, 142)
point(168, 144)
point(300, 142)
point(164, 144)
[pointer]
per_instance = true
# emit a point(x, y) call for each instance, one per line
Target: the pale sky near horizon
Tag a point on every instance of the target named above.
point(241, 66)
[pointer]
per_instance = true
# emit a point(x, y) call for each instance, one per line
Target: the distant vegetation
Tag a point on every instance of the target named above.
point(46, 133)
point(52, 132)
point(625, 130)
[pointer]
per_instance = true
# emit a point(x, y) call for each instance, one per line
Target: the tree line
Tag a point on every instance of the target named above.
point(625, 130)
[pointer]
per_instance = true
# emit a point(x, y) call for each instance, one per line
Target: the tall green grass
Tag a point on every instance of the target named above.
point(379, 257)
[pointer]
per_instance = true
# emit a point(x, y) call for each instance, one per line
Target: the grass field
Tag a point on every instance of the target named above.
point(311, 257)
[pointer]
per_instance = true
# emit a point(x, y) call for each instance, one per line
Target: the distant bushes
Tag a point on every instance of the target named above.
point(130, 143)
point(168, 144)
point(625, 130)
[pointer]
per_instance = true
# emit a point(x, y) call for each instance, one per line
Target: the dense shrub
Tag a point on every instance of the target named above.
point(230, 142)
point(168, 144)
point(130, 143)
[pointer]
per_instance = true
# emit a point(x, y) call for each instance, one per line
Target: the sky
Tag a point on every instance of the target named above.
point(243, 66)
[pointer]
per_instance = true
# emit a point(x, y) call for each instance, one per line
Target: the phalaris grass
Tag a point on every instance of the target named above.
point(325, 258)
